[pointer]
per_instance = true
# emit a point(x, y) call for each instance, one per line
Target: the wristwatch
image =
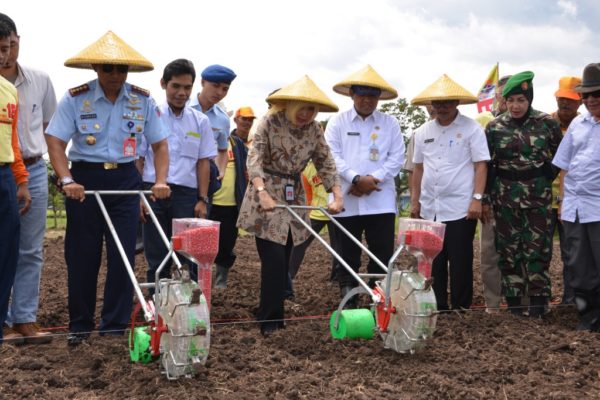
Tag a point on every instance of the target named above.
point(204, 199)
point(66, 180)
point(355, 179)
point(477, 196)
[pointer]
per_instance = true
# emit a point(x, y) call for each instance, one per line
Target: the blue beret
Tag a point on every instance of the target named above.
point(218, 73)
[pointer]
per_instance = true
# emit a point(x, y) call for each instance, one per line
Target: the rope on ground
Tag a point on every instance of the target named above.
point(220, 322)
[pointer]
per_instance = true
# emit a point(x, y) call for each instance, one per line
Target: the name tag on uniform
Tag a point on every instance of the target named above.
point(289, 192)
point(129, 147)
point(353, 133)
point(88, 116)
point(429, 140)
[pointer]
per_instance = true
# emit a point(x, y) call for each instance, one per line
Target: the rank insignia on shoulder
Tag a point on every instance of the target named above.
point(76, 91)
point(140, 90)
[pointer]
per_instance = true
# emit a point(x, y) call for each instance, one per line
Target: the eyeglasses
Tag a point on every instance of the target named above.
point(108, 68)
point(595, 94)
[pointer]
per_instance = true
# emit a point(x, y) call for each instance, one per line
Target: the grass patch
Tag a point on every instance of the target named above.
point(56, 222)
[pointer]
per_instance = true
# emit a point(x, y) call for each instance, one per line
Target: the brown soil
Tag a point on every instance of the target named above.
point(472, 356)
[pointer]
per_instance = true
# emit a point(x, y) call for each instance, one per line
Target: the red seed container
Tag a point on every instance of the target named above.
point(200, 239)
point(423, 239)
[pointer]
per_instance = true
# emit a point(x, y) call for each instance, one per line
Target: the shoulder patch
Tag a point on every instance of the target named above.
point(140, 90)
point(76, 91)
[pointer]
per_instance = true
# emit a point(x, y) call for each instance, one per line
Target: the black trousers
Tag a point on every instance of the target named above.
point(228, 233)
point(583, 241)
point(299, 251)
point(456, 257)
point(274, 262)
point(86, 231)
point(379, 234)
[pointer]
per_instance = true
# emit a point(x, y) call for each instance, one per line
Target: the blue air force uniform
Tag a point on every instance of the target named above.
point(103, 137)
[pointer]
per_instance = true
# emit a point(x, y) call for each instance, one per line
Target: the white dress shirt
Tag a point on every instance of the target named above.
point(579, 155)
point(351, 140)
point(37, 103)
point(447, 154)
point(190, 139)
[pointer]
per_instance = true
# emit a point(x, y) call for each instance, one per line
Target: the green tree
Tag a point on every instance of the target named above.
point(56, 200)
point(410, 118)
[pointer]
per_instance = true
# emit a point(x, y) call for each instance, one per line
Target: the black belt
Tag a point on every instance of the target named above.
point(99, 165)
point(4, 164)
point(295, 177)
point(520, 175)
point(31, 160)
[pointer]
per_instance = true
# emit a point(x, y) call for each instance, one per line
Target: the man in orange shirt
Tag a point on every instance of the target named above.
point(13, 181)
point(568, 102)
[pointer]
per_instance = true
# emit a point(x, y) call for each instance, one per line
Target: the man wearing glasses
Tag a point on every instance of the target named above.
point(450, 159)
point(578, 157)
point(104, 120)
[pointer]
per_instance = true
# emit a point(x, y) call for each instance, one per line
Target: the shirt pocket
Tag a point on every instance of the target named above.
point(458, 152)
point(190, 147)
point(88, 126)
point(133, 127)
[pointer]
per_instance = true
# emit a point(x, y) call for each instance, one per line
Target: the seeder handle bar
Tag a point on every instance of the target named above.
point(148, 315)
point(341, 228)
point(373, 295)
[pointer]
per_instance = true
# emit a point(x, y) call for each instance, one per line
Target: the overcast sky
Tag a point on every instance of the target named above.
point(269, 44)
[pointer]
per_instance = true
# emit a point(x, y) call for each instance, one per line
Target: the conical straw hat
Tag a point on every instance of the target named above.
point(366, 77)
point(304, 89)
point(110, 49)
point(444, 89)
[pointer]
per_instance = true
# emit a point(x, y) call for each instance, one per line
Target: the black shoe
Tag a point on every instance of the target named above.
point(75, 339)
point(351, 303)
point(590, 321)
point(267, 328)
point(514, 305)
point(537, 306)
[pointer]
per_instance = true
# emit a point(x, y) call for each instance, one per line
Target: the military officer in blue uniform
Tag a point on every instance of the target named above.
point(104, 120)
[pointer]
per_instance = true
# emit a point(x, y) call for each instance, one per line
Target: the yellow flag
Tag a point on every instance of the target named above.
point(487, 93)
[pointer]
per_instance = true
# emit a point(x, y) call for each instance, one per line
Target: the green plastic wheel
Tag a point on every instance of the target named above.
point(140, 351)
point(353, 324)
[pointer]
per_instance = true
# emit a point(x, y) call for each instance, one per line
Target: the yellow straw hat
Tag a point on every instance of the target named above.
point(366, 77)
point(110, 49)
point(304, 89)
point(444, 89)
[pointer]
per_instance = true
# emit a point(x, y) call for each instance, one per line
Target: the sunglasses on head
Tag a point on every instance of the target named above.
point(108, 68)
point(595, 94)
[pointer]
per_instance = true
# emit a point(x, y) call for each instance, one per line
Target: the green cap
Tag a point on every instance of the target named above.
point(520, 83)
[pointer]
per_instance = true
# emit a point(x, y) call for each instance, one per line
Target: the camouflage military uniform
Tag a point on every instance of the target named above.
point(521, 196)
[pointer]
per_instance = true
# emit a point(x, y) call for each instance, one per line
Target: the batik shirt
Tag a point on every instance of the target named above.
point(281, 147)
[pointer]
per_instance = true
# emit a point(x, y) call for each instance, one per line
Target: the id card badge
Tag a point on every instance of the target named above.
point(129, 147)
point(289, 192)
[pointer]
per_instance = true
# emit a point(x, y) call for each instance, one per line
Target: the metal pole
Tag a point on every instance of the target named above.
point(138, 291)
point(344, 230)
point(329, 248)
point(160, 231)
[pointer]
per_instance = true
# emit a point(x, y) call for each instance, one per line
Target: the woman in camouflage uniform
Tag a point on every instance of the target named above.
point(522, 143)
point(283, 144)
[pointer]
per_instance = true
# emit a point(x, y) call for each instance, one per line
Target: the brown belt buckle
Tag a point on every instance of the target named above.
point(111, 165)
